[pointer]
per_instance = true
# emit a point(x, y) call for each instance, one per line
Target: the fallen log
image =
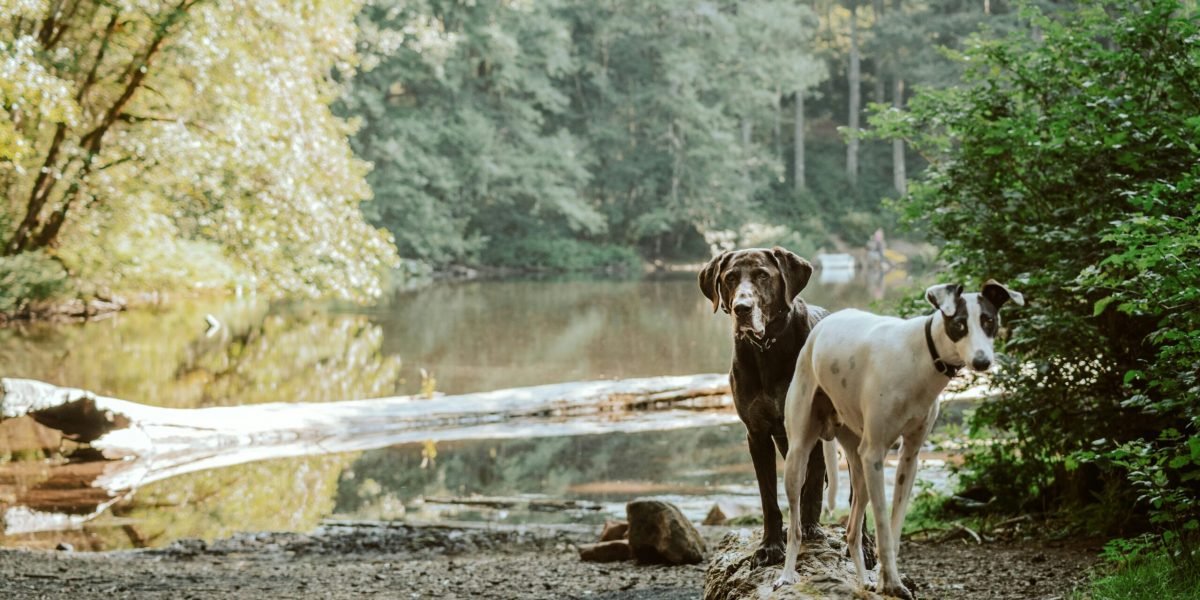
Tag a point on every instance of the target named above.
point(130, 444)
point(136, 444)
point(535, 504)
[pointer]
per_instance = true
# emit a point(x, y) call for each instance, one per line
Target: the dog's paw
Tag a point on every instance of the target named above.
point(812, 532)
point(896, 590)
point(769, 553)
point(787, 577)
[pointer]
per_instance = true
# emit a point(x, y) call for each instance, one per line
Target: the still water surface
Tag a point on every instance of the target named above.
point(465, 337)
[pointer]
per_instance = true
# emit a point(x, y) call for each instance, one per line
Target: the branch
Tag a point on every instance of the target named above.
point(136, 72)
point(91, 76)
point(62, 29)
point(92, 141)
point(37, 196)
point(47, 30)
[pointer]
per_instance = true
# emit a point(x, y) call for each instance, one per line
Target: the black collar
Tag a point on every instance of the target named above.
point(942, 366)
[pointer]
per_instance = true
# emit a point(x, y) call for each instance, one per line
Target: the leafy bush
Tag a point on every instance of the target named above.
point(1068, 166)
point(29, 277)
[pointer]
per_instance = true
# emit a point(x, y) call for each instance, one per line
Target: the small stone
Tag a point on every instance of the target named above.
point(614, 530)
point(65, 547)
point(610, 551)
point(715, 516)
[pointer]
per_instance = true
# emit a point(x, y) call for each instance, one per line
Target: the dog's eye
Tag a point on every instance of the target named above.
point(761, 274)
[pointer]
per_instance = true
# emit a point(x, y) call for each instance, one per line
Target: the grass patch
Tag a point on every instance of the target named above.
point(1157, 576)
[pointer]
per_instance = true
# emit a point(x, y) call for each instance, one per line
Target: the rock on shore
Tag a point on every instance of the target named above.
point(659, 533)
point(825, 571)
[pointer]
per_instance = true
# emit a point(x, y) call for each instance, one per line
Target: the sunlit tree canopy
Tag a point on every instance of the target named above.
point(185, 142)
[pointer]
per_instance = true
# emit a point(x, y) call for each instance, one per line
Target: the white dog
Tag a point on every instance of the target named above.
point(869, 380)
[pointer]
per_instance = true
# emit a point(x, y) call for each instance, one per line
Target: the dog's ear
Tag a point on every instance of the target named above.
point(944, 297)
point(710, 280)
point(795, 271)
point(997, 293)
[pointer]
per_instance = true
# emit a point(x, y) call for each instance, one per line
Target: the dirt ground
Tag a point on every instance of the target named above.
point(399, 561)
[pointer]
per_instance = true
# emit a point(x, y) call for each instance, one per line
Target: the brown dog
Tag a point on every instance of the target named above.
point(760, 289)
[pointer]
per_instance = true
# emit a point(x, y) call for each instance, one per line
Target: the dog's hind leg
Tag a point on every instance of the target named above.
point(858, 503)
point(795, 471)
point(831, 475)
point(803, 432)
point(810, 494)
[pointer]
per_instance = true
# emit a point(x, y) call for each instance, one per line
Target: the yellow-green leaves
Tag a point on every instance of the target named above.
point(186, 144)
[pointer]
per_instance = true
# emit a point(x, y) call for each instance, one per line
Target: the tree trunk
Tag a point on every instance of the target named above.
point(899, 170)
point(855, 81)
point(778, 126)
point(798, 139)
point(747, 136)
point(880, 61)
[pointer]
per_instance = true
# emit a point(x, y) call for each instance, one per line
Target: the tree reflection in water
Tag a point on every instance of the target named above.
point(472, 336)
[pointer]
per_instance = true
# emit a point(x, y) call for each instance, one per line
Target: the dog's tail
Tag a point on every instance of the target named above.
point(830, 448)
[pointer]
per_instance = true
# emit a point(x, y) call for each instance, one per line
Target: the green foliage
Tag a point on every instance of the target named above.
point(1067, 166)
point(927, 510)
point(140, 138)
point(562, 254)
point(29, 277)
point(455, 103)
point(498, 129)
point(1155, 576)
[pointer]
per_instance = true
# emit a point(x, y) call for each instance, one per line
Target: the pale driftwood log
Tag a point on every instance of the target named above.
point(144, 444)
point(537, 504)
point(147, 443)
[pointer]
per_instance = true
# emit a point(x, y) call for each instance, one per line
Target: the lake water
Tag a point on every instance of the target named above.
point(452, 337)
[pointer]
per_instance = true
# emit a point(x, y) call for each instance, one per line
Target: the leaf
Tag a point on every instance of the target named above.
point(1102, 304)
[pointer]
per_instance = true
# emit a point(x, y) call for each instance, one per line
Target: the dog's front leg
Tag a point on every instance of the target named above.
point(906, 472)
point(762, 453)
point(812, 494)
point(889, 576)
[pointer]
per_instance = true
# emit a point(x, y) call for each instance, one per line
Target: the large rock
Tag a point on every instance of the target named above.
point(824, 570)
point(659, 533)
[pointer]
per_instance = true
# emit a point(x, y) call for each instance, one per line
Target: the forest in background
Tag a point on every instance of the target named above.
point(302, 149)
point(572, 135)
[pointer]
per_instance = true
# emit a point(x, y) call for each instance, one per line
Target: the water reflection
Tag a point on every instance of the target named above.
point(494, 334)
point(470, 336)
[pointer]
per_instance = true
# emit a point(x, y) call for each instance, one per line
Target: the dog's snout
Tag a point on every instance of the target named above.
point(742, 306)
point(981, 362)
